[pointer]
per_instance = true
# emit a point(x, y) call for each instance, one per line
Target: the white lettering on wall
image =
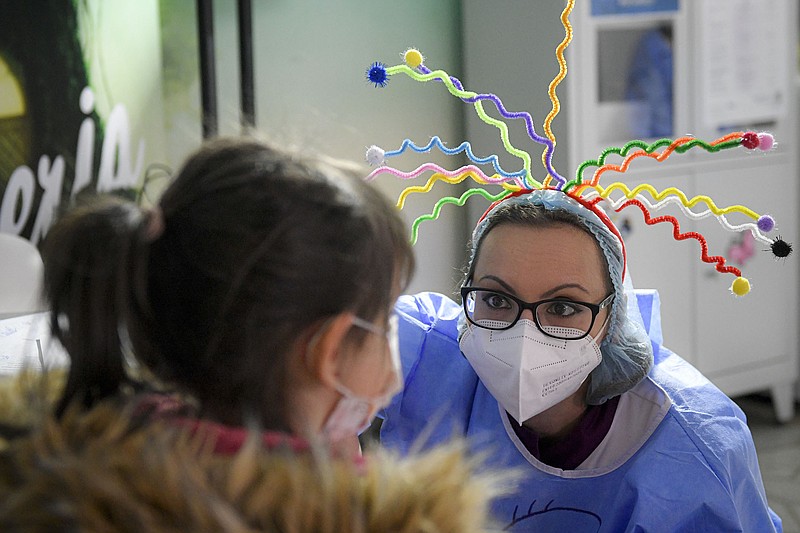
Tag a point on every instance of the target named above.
point(85, 151)
point(50, 180)
point(19, 191)
point(116, 149)
point(116, 171)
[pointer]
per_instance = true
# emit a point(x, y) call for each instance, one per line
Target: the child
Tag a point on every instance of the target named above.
point(260, 289)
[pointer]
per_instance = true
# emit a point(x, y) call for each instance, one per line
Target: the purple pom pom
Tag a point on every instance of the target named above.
point(376, 74)
point(766, 223)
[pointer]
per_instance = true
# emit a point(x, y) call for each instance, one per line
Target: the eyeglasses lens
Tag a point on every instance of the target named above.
point(562, 319)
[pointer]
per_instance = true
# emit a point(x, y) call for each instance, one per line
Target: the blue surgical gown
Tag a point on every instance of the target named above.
point(697, 470)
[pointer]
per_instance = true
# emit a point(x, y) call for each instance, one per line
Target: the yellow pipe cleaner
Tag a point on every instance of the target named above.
point(401, 200)
point(551, 90)
point(444, 77)
point(674, 191)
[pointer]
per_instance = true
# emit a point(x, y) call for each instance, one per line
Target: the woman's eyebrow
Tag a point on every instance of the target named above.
point(563, 286)
point(505, 285)
point(548, 293)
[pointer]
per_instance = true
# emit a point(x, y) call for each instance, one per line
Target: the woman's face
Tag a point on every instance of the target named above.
point(538, 263)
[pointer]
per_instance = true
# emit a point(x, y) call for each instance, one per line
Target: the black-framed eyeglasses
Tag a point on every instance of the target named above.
point(559, 318)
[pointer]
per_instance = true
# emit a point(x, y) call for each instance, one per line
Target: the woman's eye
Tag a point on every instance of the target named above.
point(496, 301)
point(563, 309)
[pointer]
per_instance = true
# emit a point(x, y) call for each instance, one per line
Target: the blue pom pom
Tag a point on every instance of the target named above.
point(376, 74)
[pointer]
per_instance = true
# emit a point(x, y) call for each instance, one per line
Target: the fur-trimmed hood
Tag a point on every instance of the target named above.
point(99, 471)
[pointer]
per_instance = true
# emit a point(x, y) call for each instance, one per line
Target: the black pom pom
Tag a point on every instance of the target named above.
point(781, 248)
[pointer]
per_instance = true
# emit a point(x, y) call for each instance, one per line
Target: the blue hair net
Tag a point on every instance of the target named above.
point(627, 353)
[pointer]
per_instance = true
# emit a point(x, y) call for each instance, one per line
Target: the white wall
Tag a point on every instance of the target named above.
point(121, 45)
point(310, 58)
point(511, 53)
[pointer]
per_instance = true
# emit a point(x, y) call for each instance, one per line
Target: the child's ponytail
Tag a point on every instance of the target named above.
point(90, 259)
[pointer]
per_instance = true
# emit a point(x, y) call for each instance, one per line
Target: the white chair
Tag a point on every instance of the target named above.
point(21, 276)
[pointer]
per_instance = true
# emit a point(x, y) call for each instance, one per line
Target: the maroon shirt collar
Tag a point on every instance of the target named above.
point(224, 439)
point(569, 451)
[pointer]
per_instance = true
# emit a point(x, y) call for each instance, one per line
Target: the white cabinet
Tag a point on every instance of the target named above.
point(728, 74)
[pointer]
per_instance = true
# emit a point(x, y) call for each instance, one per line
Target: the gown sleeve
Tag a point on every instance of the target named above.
point(717, 427)
point(439, 384)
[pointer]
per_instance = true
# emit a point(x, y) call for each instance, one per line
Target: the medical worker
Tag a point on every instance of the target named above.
point(545, 366)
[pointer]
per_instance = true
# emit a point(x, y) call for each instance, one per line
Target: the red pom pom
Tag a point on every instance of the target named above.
point(750, 140)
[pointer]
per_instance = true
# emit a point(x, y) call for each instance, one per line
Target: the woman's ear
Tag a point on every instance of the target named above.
point(325, 348)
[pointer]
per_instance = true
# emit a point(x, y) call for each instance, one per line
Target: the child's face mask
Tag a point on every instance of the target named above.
point(353, 414)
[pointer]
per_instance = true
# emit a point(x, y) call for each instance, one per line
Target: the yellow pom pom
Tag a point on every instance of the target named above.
point(413, 57)
point(740, 286)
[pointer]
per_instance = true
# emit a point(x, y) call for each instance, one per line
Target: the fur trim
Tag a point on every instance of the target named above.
point(97, 471)
point(27, 397)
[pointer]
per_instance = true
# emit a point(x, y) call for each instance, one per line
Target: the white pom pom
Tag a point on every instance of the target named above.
point(375, 155)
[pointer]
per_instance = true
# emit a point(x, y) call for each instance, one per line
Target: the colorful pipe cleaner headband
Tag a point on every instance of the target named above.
point(584, 187)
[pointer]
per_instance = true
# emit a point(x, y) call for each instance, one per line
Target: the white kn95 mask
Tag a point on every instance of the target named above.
point(525, 370)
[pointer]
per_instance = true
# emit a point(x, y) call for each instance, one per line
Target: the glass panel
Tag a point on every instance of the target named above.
point(635, 76)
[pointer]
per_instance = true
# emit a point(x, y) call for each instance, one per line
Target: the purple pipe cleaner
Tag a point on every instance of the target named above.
point(507, 114)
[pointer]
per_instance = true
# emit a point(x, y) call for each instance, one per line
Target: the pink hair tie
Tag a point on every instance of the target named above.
point(155, 224)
